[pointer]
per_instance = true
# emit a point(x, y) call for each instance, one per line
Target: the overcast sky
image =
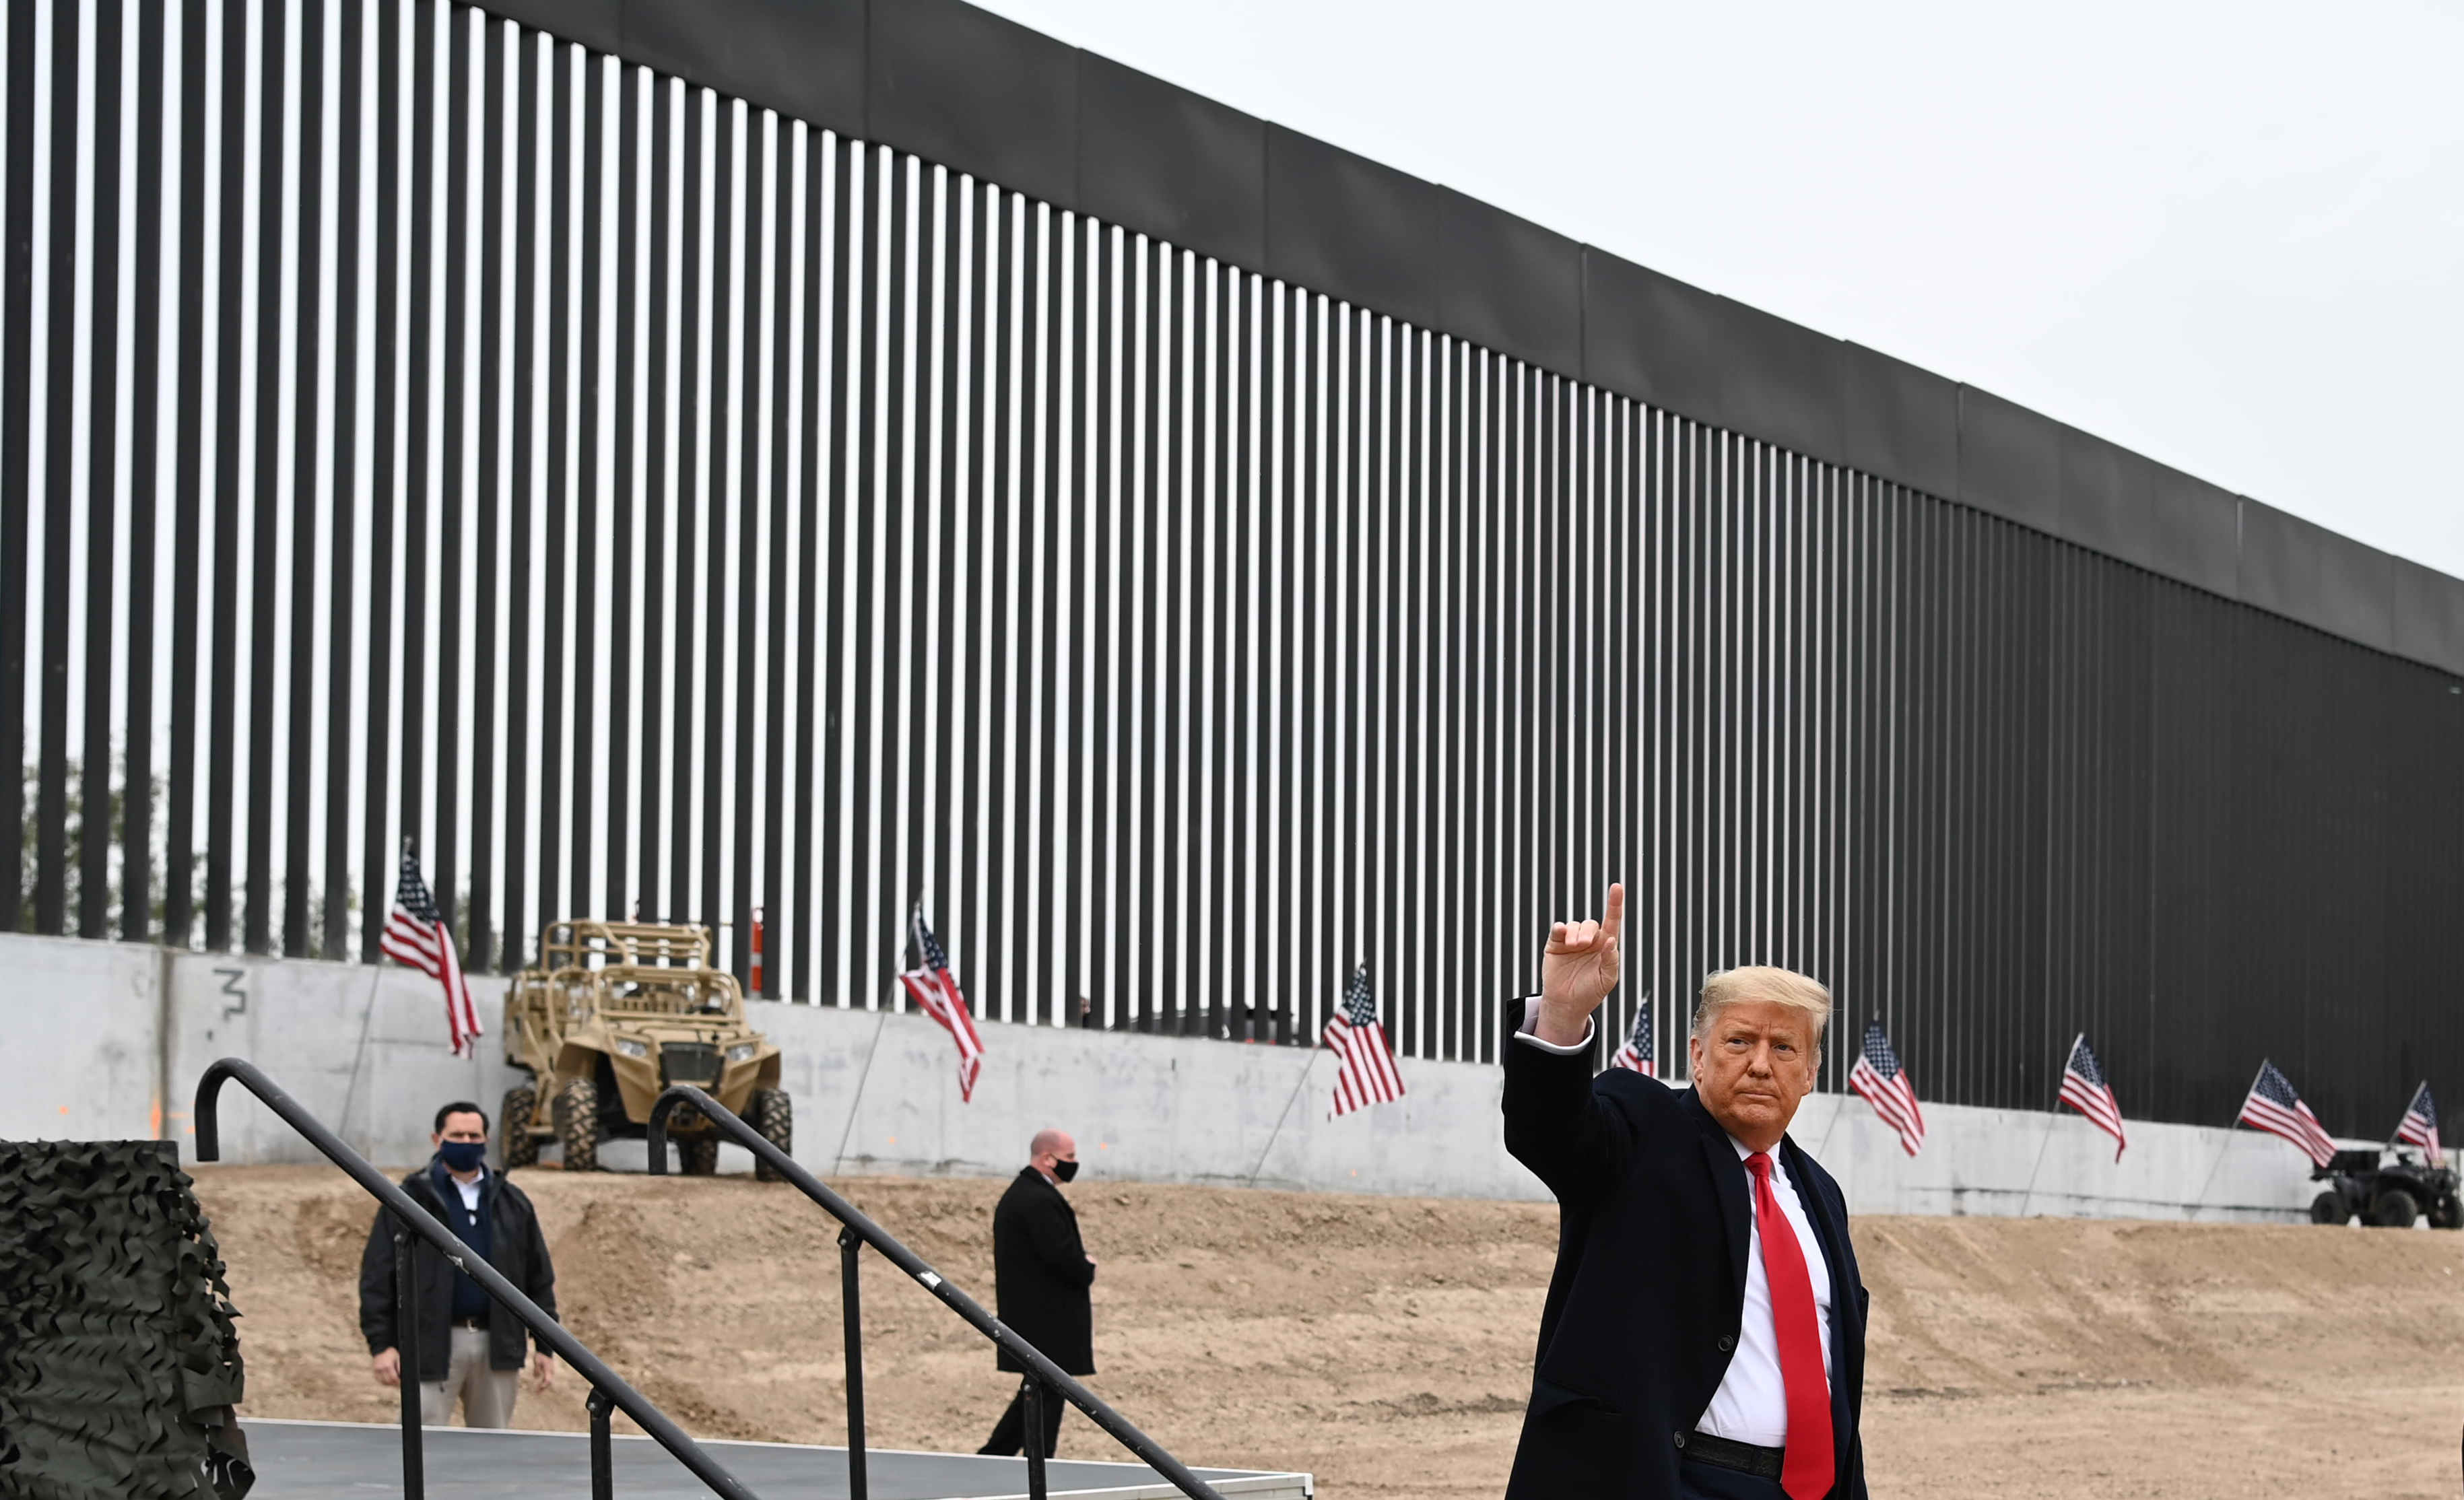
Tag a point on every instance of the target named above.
point(2231, 237)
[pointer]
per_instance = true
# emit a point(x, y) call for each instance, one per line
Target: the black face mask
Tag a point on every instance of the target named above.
point(462, 1156)
point(1064, 1170)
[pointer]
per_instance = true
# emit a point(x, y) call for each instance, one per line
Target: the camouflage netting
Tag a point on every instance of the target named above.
point(118, 1364)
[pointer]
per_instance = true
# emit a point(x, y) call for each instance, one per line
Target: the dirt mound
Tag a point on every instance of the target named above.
point(1385, 1344)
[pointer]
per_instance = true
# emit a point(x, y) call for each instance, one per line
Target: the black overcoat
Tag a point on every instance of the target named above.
point(515, 1247)
point(1041, 1275)
point(1649, 1290)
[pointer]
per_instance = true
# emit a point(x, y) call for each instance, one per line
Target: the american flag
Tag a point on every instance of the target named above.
point(2084, 1089)
point(1635, 1054)
point(2274, 1108)
point(416, 935)
point(936, 989)
point(1886, 1086)
point(2420, 1125)
point(1367, 1073)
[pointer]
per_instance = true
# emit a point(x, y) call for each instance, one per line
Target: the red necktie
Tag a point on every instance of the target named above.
point(1805, 1473)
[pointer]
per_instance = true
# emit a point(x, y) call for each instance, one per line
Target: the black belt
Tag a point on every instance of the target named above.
point(481, 1322)
point(1746, 1458)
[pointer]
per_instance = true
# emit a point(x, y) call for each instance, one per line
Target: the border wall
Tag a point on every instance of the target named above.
point(103, 1036)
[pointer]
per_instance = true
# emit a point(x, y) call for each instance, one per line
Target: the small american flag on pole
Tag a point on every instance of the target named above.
point(1635, 1054)
point(2274, 1108)
point(2084, 1089)
point(2420, 1125)
point(936, 990)
point(1886, 1086)
point(1366, 1073)
point(416, 935)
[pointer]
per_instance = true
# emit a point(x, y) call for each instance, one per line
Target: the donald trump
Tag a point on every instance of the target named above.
point(1703, 1337)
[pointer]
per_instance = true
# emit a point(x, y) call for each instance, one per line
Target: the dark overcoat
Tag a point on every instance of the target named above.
point(1649, 1290)
point(516, 1249)
point(1041, 1275)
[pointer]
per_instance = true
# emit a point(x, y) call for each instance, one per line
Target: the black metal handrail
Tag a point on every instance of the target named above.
point(857, 1231)
point(609, 1389)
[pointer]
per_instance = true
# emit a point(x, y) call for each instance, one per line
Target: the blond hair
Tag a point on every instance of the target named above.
point(1763, 981)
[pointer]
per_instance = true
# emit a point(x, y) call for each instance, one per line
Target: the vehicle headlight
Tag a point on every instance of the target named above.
point(742, 1051)
point(631, 1047)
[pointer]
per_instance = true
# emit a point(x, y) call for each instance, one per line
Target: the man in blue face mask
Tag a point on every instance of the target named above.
point(470, 1351)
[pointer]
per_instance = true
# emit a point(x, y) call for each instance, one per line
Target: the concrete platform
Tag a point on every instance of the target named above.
point(297, 1459)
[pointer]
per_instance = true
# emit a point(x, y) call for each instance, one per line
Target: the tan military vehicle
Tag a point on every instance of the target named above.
point(612, 1013)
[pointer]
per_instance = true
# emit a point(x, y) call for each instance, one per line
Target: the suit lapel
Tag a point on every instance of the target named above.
point(1847, 1318)
point(1729, 1177)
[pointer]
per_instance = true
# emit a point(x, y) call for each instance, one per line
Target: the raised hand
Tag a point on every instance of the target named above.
point(1579, 969)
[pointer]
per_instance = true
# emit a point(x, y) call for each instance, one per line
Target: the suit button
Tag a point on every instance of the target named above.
point(1680, 1437)
point(1727, 1343)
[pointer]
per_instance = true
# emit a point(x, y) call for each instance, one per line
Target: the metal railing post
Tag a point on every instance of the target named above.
point(405, 1348)
point(1030, 1359)
point(602, 1461)
point(850, 1297)
point(1034, 1399)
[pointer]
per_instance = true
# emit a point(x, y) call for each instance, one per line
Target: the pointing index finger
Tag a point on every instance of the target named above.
point(1614, 924)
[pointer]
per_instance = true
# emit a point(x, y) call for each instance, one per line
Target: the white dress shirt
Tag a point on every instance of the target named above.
point(1751, 1403)
point(469, 1191)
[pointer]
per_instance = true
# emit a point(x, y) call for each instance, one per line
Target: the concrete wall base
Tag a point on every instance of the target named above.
point(106, 1040)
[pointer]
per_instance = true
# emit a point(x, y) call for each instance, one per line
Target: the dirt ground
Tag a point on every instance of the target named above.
point(1385, 1344)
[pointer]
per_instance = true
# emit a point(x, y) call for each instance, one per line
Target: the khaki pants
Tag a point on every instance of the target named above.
point(487, 1396)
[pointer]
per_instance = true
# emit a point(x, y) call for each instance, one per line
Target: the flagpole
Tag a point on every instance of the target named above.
point(1278, 1131)
point(870, 1053)
point(1834, 1125)
point(2213, 1168)
point(2217, 1165)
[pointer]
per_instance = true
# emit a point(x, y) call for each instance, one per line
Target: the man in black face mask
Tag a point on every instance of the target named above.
point(470, 1350)
point(1041, 1275)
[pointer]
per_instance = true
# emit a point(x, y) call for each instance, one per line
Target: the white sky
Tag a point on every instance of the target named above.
point(2229, 237)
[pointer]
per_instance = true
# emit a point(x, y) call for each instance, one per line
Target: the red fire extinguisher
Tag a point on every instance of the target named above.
point(757, 950)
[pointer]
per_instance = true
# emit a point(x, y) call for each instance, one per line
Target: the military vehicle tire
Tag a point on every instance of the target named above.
point(774, 1120)
point(2330, 1208)
point(577, 1124)
point(513, 1123)
point(2448, 1213)
point(701, 1155)
point(2394, 1209)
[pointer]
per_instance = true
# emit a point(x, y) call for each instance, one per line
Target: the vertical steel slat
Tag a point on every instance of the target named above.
point(341, 643)
point(1046, 985)
point(865, 900)
point(16, 417)
point(50, 798)
point(444, 876)
point(522, 83)
point(685, 830)
point(589, 692)
point(263, 539)
point(376, 777)
point(781, 929)
point(488, 757)
point(712, 605)
point(416, 804)
point(145, 424)
point(661, 710)
point(805, 937)
point(1081, 638)
point(557, 97)
point(101, 544)
point(898, 664)
point(746, 594)
point(621, 889)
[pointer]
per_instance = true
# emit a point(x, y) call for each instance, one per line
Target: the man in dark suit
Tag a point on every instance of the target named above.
point(1042, 1274)
point(469, 1349)
point(1703, 1337)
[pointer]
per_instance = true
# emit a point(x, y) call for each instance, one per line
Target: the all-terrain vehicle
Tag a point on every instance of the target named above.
point(2388, 1193)
point(614, 1012)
